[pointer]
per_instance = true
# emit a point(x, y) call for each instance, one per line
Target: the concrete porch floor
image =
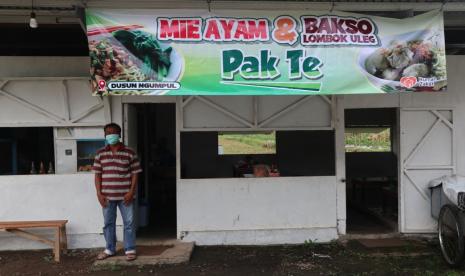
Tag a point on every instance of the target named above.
point(173, 252)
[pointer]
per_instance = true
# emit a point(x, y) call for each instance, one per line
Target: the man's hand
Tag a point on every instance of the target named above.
point(102, 199)
point(128, 198)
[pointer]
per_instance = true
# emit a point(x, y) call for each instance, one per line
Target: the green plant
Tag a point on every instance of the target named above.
point(47, 258)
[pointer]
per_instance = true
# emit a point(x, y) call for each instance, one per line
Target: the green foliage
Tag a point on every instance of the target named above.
point(388, 89)
point(257, 143)
point(107, 267)
point(155, 61)
point(369, 141)
point(48, 258)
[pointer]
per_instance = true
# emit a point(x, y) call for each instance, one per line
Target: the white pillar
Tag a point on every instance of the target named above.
point(338, 120)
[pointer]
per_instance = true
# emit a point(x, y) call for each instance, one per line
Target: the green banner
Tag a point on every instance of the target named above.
point(178, 52)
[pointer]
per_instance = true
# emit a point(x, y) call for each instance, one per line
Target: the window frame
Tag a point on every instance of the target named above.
point(15, 153)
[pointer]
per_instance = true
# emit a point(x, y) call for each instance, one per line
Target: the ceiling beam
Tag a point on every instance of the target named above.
point(414, 6)
point(60, 11)
point(280, 5)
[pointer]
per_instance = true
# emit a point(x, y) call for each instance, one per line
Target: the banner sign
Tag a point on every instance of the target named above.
point(178, 52)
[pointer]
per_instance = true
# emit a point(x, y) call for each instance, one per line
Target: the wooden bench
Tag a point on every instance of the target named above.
point(59, 245)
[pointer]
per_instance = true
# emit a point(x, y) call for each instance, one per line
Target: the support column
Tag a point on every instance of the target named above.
point(179, 125)
point(339, 126)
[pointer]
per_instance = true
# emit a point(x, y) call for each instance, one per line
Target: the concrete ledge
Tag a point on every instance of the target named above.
point(180, 253)
point(261, 237)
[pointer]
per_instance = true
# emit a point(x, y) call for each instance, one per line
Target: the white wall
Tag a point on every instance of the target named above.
point(52, 197)
point(256, 112)
point(454, 97)
point(257, 210)
point(282, 210)
point(15, 66)
point(49, 102)
point(51, 91)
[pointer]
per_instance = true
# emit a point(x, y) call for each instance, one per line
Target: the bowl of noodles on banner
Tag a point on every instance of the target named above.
point(413, 61)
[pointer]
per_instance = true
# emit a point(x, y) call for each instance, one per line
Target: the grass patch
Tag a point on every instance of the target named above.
point(368, 140)
point(256, 143)
point(107, 267)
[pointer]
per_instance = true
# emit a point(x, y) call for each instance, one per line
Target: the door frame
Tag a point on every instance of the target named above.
point(133, 100)
point(395, 149)
point(130, 139)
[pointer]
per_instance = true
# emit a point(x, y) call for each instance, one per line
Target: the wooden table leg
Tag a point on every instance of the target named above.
point(64, 239)
point(57, 244)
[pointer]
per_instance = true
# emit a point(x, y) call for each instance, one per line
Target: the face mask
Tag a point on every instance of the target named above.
point(112, 139)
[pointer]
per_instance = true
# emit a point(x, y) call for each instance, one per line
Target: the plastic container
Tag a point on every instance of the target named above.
point(438, 199)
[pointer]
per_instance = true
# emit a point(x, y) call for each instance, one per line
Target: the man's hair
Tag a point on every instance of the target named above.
point(112, 125)
point(262, 167)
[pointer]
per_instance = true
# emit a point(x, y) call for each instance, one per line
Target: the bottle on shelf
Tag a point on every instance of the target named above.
point(41, 168)
point(50, 168)
point(33, 168)
point(274, 170)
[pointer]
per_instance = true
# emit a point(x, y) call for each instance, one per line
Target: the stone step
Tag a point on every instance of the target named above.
point(162, 252)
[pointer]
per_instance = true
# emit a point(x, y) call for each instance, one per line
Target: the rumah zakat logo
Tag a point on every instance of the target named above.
point(408, 82)
point(102, 84)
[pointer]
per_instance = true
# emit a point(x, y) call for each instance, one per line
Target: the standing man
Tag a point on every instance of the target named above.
point(116, 167)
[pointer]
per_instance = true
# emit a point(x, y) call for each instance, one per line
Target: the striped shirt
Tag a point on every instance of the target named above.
point(117, 170)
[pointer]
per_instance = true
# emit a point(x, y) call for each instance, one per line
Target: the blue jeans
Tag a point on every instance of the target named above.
point(109, 229)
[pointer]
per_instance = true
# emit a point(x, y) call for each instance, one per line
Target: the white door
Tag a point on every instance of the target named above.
point(427, 152)
point(130, 140)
